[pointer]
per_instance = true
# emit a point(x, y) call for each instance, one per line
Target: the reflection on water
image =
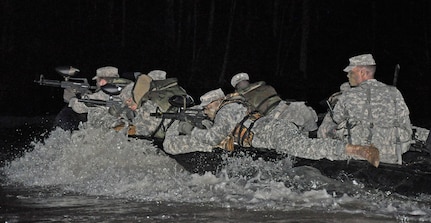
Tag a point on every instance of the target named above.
point(93, 175)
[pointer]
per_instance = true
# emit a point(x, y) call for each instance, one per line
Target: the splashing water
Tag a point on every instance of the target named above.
point(96, 162)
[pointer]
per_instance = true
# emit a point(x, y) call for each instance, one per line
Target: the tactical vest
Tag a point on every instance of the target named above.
point(262, 97)
point(162, 90)
point(235, 98)
point(241, 135)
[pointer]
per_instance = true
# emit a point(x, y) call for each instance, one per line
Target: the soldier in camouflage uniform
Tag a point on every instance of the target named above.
point(225, 112)
point(265, 99)
point(150, 94)
point(103, 76)
point(235, 123)
point(373, 113)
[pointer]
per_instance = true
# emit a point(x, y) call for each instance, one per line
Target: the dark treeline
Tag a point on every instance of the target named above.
point(299, 46)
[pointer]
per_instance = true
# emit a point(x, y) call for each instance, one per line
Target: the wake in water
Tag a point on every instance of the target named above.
point(95, 162)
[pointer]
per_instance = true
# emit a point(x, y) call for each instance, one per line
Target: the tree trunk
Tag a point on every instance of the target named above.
point(228, 39)
point(7, 33)
point(195, 28)
point(211, 24)
point(304, 37)
point(123, 30)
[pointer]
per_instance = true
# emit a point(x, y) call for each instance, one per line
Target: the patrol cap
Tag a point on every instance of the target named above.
point(211, 96)
point(157, 74)
point(106, 72)
point(238, 78)
point(360, 60)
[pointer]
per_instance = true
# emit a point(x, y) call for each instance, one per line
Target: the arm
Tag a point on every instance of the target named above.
point(226, 119)
point(80, 107)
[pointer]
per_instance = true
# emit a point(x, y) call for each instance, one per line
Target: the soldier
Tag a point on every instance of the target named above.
point(150, 94)
point(76, 112)
point(224, 112)
point(373, 113)
point(235, 123)
point(265, 99)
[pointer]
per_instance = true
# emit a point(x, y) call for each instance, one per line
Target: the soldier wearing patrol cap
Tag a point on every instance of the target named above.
point(372, 113)
point(265, 99)
point(103, 76)
point(363, 64)
point(277, 134)
point(242, 79)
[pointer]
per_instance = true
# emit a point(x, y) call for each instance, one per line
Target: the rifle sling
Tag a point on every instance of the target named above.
point(160, 126)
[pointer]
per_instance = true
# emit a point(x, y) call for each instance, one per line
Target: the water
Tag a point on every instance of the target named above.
point(98, 176)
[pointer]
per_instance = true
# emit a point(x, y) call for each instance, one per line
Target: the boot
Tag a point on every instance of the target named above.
point(370, 153)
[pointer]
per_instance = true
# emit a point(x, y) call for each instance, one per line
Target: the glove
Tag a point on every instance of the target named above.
point(207, 123)
point(185, 128)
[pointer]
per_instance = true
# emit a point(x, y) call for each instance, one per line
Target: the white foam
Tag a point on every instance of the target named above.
point(98, 162)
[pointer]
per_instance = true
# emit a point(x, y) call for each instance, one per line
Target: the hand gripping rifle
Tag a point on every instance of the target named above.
point(78, 85)
point(192, 116)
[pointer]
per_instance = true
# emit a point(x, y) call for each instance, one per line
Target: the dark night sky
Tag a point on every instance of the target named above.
point(184, 39)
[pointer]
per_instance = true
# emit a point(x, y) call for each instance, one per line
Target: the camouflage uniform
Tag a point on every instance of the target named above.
point(264, 99)
point(303, 116)
point(277, 134)
point(204, 140)
point(80, 107)
point(101, 73)
point(147, 125)
point(99, 117)
point(284, 137)
point(151, 93)
point(420, 134)
point(327, 129)
point(387, 110)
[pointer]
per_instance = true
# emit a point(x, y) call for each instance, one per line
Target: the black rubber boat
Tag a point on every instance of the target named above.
point(411, 178)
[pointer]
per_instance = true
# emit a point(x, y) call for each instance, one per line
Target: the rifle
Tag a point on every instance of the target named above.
point(97, 102)
point(182, 102)
point(79, 85)
point(112, 90)
point(192, 116)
